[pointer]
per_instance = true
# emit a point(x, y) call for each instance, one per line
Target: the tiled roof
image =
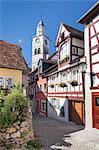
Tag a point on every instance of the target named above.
point(53, 55)
point(74, 31)
point(11, 56)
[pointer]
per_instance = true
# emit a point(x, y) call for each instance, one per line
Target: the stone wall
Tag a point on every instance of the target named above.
point(19, 133)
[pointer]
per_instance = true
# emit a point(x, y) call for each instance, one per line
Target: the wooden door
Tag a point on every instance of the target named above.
point(76, 111)
point(95, 106)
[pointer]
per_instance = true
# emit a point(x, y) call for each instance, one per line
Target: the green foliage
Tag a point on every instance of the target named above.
point(63, 85)
point(74, 83)
point(9, 146)
point(36, 144)
point(13, 107)
point(24, 133)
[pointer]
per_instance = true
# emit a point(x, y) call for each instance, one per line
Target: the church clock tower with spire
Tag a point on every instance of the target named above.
point(40, 45)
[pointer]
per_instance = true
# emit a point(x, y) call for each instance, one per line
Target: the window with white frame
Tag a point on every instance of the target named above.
point(55, 103)
point(74, 74)
point(44, 86)
point(6, 82)
point(1, 82)
point(40, 87)
point(64, 52)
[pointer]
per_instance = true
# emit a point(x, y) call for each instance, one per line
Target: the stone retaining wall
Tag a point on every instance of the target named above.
point(19, 133)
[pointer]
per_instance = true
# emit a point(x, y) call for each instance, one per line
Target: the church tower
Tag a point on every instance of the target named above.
point(40, 45)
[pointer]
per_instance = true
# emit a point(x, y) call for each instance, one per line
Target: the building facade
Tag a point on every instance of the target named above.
point(40, 45)
point(12, 65)
point(65, 86)
point(72, 83)
point(91, 31)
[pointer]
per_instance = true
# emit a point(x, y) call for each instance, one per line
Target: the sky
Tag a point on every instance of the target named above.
point(19, 18)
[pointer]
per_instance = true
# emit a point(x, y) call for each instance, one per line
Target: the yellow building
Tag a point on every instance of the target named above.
point(12, 65)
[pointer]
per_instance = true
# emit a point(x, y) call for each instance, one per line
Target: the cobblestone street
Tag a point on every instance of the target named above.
point(51, 132)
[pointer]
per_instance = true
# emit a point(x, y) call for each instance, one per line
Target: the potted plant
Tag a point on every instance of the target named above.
point(63, 85)
point(52, 85)
point(74, 83)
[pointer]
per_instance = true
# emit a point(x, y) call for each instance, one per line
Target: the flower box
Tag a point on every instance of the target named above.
point(74, 83)
point(63, 85)
point(51, 85)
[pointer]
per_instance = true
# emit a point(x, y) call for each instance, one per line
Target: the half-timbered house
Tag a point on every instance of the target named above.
point(65, 86)
point(91, 22)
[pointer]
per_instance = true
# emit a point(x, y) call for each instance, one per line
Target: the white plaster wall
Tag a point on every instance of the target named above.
point(78, 42)
point(88, 92)
point(94, 41)
point(54, 113)
point(95, 58)
point(88, 97)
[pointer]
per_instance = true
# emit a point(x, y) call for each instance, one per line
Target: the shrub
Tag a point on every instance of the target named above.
point(36, 144)
point(12, 107)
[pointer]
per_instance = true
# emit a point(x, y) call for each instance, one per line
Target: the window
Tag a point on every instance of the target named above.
point(40, 69)
point(74, 72)
point(75, 50)
point(45, 51)
point(55, 103)
point(43, 106)
point(39, 50)
point(8, 82)
point(35, 51)
point(45, 42)
point(53, 78)
point(62, 36)
point(40, 87)
point(97, 101)
point(1, 82)
point(44, 86)
point(37, 89)
point(64, 52)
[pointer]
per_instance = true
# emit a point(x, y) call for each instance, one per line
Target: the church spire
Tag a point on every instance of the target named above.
point(40, 28)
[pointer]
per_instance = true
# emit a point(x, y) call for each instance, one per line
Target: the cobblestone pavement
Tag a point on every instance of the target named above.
point(87, 139)
point(51, 131)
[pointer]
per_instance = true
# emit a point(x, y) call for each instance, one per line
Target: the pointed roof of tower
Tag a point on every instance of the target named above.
point(41, 23)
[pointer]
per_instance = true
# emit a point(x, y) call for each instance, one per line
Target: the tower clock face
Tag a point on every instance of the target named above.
point(37, 40)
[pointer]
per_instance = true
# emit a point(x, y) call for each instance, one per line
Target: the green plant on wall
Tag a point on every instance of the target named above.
point(74, 83)
point(13, 107)
point(52, 85)
point(63, 85)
